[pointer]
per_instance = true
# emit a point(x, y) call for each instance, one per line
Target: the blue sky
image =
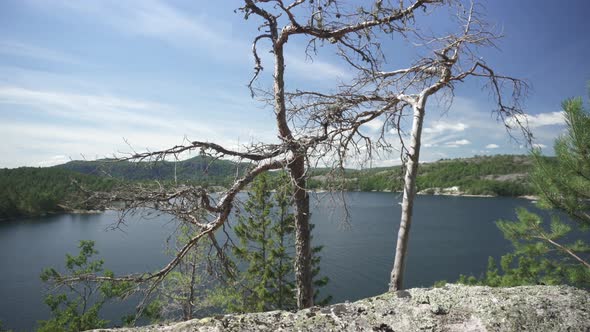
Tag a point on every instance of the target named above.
point(87, 79)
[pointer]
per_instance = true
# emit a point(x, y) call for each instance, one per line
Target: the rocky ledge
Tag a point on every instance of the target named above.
point(450, 308)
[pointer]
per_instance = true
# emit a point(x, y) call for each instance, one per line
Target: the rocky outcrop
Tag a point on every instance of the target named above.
point(450, 308)
point(450, 191)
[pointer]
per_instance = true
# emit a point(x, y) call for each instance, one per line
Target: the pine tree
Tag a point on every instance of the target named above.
point(264, 254)
point(2, 329)
point(544, 251)
point(182, 294)
point(284, 296)
point(254, 231)
point(565, 183)
point(78, 308)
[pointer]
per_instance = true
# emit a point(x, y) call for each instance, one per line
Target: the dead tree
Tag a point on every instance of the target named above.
point(445, 61)
point(452, 61)
point(312, 125)
point(324, 22)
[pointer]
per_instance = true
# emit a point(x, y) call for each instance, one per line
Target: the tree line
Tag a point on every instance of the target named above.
point(205, 170)
point(498, 175)
point(37, 191)
point(29, 191)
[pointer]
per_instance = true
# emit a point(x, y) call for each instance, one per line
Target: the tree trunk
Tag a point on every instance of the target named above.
point(302, 264)
point(397, 274)
point(191, 296)
point(303, 278)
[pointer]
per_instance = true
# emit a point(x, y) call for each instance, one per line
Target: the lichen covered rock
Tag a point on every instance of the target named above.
point(450, 308)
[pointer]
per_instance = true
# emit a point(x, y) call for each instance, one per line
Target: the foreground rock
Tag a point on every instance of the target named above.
point(451, 308)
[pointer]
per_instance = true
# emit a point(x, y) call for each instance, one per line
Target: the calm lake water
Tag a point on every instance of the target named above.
point(449, 236)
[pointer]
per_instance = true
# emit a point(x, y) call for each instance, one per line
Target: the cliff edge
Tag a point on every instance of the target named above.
point(450, 308)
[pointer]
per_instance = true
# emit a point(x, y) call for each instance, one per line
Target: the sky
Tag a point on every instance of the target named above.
point(89, 79)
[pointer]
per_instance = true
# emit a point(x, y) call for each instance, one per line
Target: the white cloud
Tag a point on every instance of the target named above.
point(158, 20)
point(442, 131)
point(54, 160)
point(537, 120)
point(196, 33)
point(297, 63)
point(442, 126)
point(483, 127)
point(46, 144)
point(91, 108)
point(374, 125)
point(99, 125)
point(539, 146)
point(108, 111)
point(316, 69)
point(458, 143)
point(155, 19)
point(492, 146)
point(386, 162)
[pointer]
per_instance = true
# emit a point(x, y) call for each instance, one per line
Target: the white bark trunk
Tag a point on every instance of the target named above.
point(401, 250)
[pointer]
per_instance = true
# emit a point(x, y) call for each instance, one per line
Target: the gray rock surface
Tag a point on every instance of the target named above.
point(451, 308)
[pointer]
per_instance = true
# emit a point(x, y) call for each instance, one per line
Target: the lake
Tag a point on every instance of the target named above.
point(449, 236)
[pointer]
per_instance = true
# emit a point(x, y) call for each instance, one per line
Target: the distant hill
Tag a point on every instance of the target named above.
point(499, 175)
point(198, 169)
point(31, 191)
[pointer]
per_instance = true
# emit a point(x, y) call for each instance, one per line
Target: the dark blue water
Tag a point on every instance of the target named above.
point(449, 236)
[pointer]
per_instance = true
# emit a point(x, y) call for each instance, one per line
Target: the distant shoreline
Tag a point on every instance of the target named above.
point(462, 195)
point(529, 197)
point(54, 213)
point(421, 193)
point(532, 198)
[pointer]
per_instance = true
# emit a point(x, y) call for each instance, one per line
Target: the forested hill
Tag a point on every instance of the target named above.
point(33, 191)
point(204, 170)
point(30, 191)
point(502, 175)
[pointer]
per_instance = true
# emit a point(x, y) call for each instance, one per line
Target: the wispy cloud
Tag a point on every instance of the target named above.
point(45, 144)
point(483, 126)
point(56, 123)
point(374, 125)
point(298, 64)
point(85, 107)
point(40, 143)
point(53, 160)
point(538, 120)
point(443, 126)
point(441, 131)
point(20, 49)
point(458, 143)
point(154, 19)
point(314, 69)
point(195, 33)
point(492, 146)
point(88, 110)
